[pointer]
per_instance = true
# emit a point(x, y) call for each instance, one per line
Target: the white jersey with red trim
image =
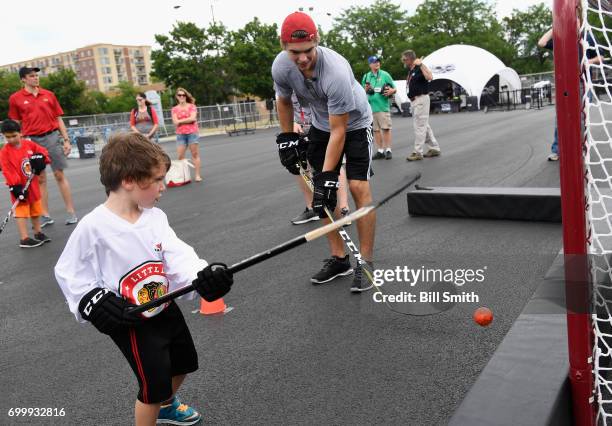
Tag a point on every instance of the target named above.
point(137, 261)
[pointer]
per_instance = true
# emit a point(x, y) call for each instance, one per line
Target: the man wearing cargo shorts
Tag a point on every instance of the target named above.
point(379, 87)
point(341, 126)
point(417, 83)
point(40, 113)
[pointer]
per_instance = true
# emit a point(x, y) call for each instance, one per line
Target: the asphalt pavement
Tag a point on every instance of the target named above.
point(290, 352)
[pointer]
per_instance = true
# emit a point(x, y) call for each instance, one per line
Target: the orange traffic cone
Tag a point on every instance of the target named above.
point(210, 308)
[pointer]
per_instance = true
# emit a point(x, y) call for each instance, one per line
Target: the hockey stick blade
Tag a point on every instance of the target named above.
point(430, 306)
point(281, 248)
point(15, 204)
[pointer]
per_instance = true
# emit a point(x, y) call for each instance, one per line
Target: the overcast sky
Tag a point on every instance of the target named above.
point(37, 27)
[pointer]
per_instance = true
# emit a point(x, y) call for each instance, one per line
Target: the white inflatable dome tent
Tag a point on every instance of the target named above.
point(470, 67)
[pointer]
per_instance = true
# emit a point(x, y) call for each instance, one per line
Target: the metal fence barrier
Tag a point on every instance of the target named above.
point(229, 118)
point(513, 99)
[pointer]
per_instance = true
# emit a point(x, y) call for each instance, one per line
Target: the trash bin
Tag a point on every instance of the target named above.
point(406, 109)
point(86, 146)
point(472, 103)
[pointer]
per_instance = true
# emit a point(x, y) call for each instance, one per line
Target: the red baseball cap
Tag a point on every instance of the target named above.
point(298, 27)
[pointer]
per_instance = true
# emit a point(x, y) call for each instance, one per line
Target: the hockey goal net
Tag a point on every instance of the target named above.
point(582, 32)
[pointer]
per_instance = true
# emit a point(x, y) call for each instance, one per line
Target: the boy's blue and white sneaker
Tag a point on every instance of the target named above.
point(46, 220)
point(178, 414)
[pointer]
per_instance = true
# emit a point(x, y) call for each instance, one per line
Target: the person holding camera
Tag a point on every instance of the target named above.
point(417, 83)
point(379, 87)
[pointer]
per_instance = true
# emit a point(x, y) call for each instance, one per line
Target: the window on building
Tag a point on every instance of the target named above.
point(107, 80)
point(104, 60)
point(102, 51)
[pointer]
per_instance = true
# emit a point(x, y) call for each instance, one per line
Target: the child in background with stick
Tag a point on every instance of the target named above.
point(21, 159)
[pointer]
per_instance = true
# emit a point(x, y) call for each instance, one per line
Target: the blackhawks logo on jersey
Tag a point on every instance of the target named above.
point(144, 283)
point(150, 291)
point(26, 167)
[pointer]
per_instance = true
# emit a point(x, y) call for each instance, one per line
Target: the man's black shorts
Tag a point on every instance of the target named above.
point(157, 350)
point(357, 149)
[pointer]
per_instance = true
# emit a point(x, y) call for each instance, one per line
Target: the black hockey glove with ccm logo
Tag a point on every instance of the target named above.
point(38, 164)
point(325, 187)
point(107, 312)
point(214, 281)
point(292, 151)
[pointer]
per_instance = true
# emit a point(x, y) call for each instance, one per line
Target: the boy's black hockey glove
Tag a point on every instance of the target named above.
point(106, 311)
point(213, 282)
point(18, 192)
point(38, 164)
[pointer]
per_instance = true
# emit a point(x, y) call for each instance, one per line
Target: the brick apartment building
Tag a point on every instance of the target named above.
point(100, 66)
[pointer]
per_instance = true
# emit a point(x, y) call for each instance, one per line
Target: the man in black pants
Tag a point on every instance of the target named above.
point(341, 125)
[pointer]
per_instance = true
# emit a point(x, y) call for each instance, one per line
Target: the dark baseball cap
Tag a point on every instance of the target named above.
point(23, 71)
point(373, 59)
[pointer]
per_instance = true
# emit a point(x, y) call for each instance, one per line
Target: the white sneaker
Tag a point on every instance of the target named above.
point(553, 157)
point(46, 220)
point(71, 219)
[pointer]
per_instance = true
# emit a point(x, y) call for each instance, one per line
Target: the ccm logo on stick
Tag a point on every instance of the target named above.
point(290, 144)
point(331, 184)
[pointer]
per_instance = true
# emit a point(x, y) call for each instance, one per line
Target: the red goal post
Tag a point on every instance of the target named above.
point(584, 121)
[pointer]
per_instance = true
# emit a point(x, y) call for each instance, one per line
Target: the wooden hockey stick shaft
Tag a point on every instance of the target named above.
point(281, 248)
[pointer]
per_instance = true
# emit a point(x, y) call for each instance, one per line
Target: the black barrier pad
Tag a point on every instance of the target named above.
point(531, 204)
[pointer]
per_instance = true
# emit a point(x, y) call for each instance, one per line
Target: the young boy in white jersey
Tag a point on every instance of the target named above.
point(124, 253)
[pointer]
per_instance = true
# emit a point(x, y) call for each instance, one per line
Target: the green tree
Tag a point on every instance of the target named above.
point(379, 29)
point(167, 99)
point(194, 58)
point(98, 99)
point(123, 98)
point(523, 30)
point(251, 51)
point(9, 84)
point(70, 92)
point(439, 23)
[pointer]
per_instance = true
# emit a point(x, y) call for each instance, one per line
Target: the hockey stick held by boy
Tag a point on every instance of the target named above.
point(215, 284)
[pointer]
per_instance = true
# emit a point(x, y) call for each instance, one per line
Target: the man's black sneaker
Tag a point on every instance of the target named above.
point(306, 216)
point(388, 155)
point(334, 267)
point(30, 243)
point(378, 156)
point(42, 237)
point(361, 282)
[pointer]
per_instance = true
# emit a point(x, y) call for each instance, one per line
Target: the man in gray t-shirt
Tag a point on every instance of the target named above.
point(341, 126)
point(330, 89)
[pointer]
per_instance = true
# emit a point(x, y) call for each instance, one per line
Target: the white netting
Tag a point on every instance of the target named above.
point(596, 88)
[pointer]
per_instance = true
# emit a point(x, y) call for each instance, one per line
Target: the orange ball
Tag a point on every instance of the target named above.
point(483, 316)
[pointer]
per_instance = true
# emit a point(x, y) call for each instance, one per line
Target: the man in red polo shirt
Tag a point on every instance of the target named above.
point(40, 113)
